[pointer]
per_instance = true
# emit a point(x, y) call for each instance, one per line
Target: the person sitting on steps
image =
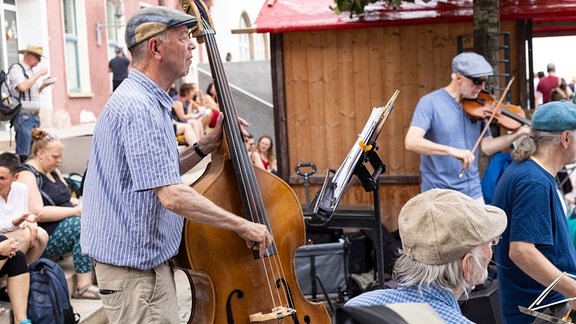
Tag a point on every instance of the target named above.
point(13, 263)
point(16, 222)
point(51, 199)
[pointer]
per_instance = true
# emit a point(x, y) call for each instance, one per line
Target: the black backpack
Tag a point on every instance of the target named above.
point(48, 300)
point(11, 105)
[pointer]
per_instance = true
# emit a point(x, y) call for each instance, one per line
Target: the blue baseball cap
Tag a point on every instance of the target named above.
point(151, 21)
point(555, 116)
point(472, 65)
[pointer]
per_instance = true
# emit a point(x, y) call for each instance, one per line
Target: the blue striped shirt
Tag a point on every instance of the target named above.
point(133, 152)
point(441, 300)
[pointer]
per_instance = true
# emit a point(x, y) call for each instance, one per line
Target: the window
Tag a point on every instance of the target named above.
point(76, 48)
point(245, 42)
point(251, 46)
point(114, 26)
point(11, 32)
point(71, 38)
point(260, 47)
point(9, 43)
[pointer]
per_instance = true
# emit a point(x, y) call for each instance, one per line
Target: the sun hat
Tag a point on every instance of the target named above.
point(440, 226)
point(33, 49)
point(471, 64)
point(555, 116)
point(151, 21)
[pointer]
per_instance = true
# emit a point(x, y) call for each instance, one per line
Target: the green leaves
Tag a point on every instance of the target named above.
point(357, 6)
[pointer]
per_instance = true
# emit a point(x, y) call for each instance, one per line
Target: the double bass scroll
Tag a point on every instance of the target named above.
point(230, 283)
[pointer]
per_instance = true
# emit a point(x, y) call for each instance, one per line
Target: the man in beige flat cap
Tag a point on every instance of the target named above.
point(23, 79)
point(447, 240)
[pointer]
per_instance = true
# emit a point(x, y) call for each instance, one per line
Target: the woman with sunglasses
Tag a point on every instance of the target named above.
point(444, 135)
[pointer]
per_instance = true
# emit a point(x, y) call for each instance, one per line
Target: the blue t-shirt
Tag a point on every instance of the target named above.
point(444, 122)
point(528, 195)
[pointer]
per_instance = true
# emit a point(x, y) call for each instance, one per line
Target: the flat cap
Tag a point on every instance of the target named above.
point(151, 21)
point(471, 64)
point(439, 226)
point(555, 116)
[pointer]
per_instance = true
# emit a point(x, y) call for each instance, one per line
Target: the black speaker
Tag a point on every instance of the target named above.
point(483, 305)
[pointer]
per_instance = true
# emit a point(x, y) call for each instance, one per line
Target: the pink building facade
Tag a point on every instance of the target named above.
point(79, 38)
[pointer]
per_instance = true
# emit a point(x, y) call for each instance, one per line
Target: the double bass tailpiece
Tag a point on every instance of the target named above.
point(535, 307)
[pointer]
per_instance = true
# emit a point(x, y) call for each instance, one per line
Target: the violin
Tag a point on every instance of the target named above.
point(510, 117)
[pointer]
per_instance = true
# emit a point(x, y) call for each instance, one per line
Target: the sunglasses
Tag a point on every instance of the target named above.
point(476, 81)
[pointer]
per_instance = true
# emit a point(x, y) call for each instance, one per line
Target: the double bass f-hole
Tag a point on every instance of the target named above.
point(230, 283)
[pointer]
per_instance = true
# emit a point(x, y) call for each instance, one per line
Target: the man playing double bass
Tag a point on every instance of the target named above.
point(134, 196)
point(444, 136)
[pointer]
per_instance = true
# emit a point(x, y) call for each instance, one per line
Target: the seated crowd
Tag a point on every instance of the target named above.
point(193, 114)
point(40, 218)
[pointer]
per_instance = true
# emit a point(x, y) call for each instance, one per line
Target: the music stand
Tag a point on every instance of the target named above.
point(336, 183)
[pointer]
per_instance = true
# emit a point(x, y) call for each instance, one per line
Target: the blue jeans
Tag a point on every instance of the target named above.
point(23, 125)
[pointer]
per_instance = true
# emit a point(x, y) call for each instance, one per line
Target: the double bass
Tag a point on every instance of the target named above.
point(229, 282)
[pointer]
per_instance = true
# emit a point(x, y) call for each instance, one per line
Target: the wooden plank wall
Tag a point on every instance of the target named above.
point(332, 81)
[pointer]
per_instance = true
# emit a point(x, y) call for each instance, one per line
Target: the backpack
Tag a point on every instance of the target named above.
point(48, 300)
point(11, 105)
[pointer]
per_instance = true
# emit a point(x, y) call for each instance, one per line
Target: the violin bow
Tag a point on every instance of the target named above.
point(494, 112)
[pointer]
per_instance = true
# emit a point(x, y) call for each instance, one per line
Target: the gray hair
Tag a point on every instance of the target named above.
point(449, 276)
point(139, 50)
point(538, 139)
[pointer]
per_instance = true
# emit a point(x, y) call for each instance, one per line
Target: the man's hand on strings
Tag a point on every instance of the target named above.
point(256, 236)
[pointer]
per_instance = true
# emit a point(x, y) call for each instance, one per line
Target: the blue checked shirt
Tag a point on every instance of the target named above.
point(133, 152)
point(441, 300)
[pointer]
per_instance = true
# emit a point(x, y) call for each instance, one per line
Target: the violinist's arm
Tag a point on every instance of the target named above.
point(490, 145)
point(416, 142)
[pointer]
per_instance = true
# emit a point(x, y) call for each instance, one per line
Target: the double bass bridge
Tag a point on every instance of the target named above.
point(277, 313)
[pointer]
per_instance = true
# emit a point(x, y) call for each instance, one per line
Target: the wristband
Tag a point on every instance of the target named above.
point(198, 150)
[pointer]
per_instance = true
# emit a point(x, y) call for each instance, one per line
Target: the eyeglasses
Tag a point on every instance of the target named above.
point(496, 241)
point(476, 81)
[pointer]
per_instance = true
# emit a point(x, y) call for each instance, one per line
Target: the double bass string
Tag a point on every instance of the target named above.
point(254, 205)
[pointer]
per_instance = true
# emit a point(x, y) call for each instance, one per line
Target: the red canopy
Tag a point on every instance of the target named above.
point(301, 15)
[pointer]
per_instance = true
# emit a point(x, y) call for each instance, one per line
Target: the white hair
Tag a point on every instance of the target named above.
point(449, 276)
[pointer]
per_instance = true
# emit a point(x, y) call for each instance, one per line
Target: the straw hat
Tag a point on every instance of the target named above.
point(33, 49)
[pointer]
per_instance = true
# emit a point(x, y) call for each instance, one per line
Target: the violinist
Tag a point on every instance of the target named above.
point(135, 201)
point(444, 135)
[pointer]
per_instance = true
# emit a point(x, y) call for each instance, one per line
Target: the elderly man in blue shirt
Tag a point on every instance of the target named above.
point(134, 198)
point(447, 240)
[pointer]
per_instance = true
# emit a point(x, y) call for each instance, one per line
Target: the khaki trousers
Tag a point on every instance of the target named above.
point(135, 296)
